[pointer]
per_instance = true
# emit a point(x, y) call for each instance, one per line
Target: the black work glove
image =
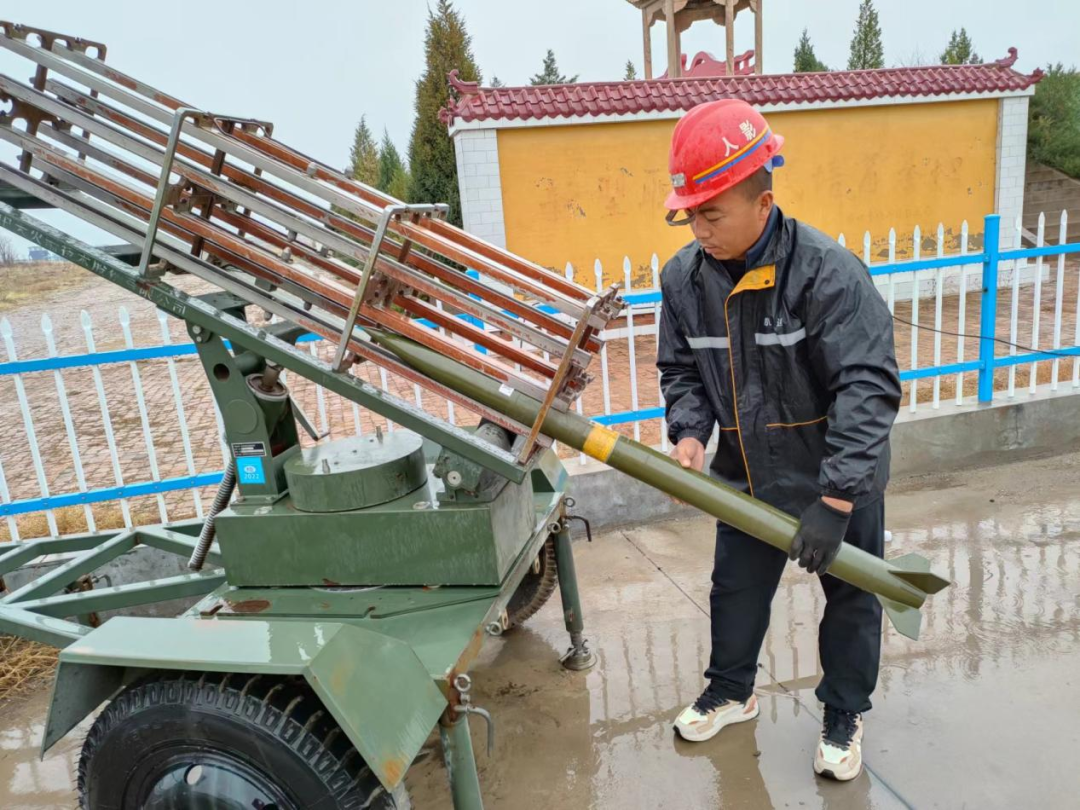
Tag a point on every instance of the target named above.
point(821, 531)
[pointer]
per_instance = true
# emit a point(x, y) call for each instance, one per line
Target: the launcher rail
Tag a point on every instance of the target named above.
point(217, 196)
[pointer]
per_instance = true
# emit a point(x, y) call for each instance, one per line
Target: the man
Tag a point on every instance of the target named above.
point(775, 333)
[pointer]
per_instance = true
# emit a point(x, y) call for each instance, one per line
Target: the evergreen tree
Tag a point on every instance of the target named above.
point(364, 155)
point(550, 74)
point(960, 51)
point(631, 71)
point(806, 60)
point(431, 152)
point(1054, 120)
point(866, 49)
point(393, 177)
point(496, 82)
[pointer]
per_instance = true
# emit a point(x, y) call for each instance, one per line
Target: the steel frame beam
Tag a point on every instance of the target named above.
point(118, 597)
point(36, 610)
point(64, 575)
point(182, 545)
point(42, 629)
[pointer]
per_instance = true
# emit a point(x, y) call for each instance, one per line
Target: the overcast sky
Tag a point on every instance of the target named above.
point(314, 68)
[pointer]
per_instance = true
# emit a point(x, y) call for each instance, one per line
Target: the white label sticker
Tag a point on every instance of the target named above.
point(505, 390)
point(248, 449)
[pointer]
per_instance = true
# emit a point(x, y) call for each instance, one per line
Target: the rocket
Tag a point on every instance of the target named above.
point(900, 584)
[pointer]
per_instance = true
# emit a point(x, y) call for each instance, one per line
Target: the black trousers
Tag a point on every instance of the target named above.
point(745, 575)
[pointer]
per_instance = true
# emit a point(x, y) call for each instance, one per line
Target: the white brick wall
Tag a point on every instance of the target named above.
point(1011, 165)
point(477, 154)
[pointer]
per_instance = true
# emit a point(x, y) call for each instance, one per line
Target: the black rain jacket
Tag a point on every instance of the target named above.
point(795, 362)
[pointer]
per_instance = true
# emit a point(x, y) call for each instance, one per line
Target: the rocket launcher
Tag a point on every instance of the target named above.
point(269, 227)
point(901, 584)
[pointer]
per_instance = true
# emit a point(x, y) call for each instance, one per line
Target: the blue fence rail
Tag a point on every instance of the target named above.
point(987, 363)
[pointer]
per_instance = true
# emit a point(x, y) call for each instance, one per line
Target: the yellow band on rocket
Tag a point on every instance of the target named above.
point(599, 443)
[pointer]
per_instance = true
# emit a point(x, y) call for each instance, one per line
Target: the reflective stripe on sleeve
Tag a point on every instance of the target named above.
point(707, 342)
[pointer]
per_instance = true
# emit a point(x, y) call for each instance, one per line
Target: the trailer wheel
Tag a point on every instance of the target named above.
point(216, 740)
point(535, 588)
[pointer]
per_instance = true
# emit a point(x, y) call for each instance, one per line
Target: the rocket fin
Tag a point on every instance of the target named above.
point(914, 569)
point(907, 620)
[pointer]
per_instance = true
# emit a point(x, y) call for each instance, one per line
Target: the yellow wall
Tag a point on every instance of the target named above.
point(578, 193)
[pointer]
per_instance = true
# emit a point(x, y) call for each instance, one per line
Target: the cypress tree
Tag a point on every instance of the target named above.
point(393, 177)
point(550, 74)
point(447, 46)
point(866, 49)
point(806, 60)
point(363, 162)
point(364, 155)
point(960, 51)
point(631, 71)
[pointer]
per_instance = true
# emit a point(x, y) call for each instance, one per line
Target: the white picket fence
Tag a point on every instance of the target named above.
point(164, 452)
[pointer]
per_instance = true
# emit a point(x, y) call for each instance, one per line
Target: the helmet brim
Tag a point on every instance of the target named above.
point(682, 202)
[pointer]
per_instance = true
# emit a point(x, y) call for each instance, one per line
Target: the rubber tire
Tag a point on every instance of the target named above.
point(275, 724)
point(535, 588)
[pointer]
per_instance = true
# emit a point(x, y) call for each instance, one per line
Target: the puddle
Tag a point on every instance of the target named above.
point(26, 781)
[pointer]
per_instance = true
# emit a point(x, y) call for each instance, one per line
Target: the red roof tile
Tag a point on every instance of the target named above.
point(623, 98)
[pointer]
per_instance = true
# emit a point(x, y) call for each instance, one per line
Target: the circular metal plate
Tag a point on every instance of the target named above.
point(357, 472)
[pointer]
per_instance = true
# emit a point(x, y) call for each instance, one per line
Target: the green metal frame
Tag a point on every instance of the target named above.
point(342, 641)
point(37, 609)
point(383, 661)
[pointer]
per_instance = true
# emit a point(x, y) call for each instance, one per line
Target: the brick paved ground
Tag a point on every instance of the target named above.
point(102, 300)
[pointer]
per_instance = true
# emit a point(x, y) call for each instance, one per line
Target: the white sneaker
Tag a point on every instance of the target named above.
point(709, 714)
point(839, 754)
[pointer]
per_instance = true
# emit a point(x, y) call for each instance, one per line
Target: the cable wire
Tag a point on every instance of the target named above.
point(1002, 341)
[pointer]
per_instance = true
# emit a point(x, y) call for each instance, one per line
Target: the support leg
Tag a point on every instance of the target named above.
point(461, 764)
point(579, 656)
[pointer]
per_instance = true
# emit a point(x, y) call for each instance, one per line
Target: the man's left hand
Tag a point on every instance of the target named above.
point(821, 531)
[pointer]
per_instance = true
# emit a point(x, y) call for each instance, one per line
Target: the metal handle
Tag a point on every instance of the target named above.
point(167, 158)
point(570, 504)
point(487, 718)
point(463, 683)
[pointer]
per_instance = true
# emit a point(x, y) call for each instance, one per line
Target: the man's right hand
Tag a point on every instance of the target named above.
point(690, 453)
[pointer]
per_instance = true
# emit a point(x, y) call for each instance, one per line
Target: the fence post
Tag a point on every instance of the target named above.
point(988, 310)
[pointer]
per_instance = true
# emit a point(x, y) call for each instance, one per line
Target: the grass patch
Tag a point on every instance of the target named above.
point(25, 666)
point(107, 516)
point(20, 283)
point(69, 520)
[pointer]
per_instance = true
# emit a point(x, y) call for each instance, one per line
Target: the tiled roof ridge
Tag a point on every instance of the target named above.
point(626, 97)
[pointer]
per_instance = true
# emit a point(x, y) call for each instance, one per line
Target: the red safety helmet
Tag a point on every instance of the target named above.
point(716, 146)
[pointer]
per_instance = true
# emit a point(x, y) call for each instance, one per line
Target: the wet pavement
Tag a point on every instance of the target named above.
point(981, 712)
